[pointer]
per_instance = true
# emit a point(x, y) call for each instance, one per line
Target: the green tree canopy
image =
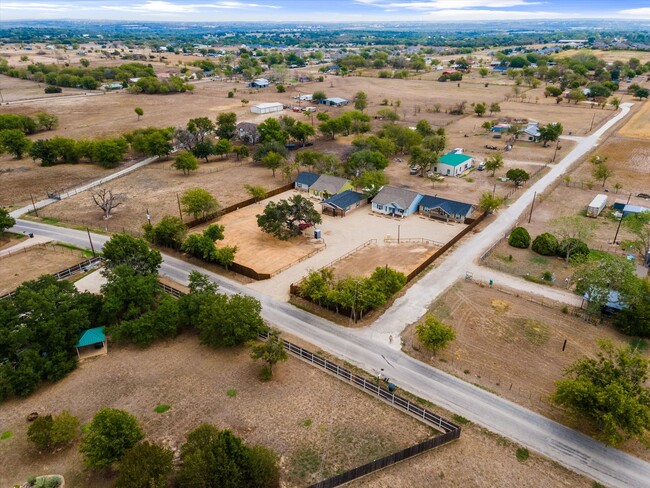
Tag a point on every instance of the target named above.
point(186, 162)
point(145, 465)
point(109, 436)
point(271, 351)
point(609, 391)
point(229, 321)
point(132, 251)
point(15, 142)
point(433, 334)
point(199, 203)
point(6, 220)
point(282, 218)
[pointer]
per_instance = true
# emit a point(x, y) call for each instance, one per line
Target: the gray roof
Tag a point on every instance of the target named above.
point(328, 183)
point(399, 196)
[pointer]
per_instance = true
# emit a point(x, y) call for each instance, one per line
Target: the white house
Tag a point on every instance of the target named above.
point(259, 83)
point(453, 164)
point(266, 108)
point(530, 133)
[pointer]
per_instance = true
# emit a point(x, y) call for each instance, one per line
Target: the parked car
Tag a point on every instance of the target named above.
point(413, 170)
point(399, 160)
point(492, 148)
point(481, 167)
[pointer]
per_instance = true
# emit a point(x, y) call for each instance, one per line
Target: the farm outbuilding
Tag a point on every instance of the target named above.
point(453, 164)
point(91, 343)
point(266, 108)
point(596, 206)
point(335, 102)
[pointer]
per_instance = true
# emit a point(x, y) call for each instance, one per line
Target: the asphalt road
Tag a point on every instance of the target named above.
point(562, 444)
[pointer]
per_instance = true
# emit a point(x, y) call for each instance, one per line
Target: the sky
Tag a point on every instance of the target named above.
point(318, 11)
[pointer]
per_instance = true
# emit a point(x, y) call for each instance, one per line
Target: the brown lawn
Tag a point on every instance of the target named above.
point(513, 347)
point(639, 124)
point(30, 263)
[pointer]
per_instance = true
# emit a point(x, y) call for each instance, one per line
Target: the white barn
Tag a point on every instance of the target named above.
point(266, 108)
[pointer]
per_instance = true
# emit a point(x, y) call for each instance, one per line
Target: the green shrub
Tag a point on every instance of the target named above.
point(162, 408)
point(545, 244)
point(547, 276)
point(578, 250)
point(110, 435)
point(145, 466)
point(232, 393)
point(52, 89)
point(519, 238)
point(522, 454)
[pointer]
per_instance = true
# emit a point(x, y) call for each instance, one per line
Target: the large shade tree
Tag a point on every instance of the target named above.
point(283, 219)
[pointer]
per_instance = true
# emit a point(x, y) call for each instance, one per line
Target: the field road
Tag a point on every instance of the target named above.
point(568, 447)
point(49, 201)
point(413, 304)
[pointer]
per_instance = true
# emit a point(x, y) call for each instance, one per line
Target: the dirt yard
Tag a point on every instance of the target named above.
point(155, 186)
point(303, 414)
point(639, 124)
point(33, 262)
point(404, 257)
point(512, 347)
point(263, 252)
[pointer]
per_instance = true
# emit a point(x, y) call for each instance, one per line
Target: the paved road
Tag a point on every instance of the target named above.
point(566, 446)
point(49, 201)
point(413, 304)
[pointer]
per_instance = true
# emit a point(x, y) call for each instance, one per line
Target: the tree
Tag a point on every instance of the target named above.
point(602, 172)
point(609, 392)
point(366, 160)
point(546, 244)
point(46, 121)
point(186, 162)
point(615, 102)
point(229, 321)
point(271, 130)
point(139, 112)
point(6, 220)
point(371, 182)
point(282, 218)
point(145, 465)
point(201, 128)
point(519, 238)
point(222, 147)
point(360, 101)
point(488, 202)
point(257, 192)
point(199, 203)
point(111, 433)
point(318, 96)
point(109, 152)
point(226, 125)
point(273, 161)
point(107, 201)
point(48, 433)
point(14, 141)
point(301, 132)
point(480, 109)
point(483, 72)
point(170, 232)
point(641, 93)
point(271, 352)
point(634, 318)
point(240, 152)
point(638, 224)
point(387, 114)
point(433, 334)
point(550, 132)
point(518, 176)
point(203, 150)
point(573, 231)
point(494, 162)
point(203, 246)
point(577, 95)
point(132, 251)
point(495, 108)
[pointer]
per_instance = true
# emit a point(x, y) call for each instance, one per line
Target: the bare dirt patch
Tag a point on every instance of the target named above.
point(32, 262)
point(154, 188)
point(639, 124)
point(403, 257)
point(302, 414)
point(514, 350)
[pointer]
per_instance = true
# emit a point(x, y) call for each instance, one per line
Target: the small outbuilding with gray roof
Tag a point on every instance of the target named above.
point(391, 200)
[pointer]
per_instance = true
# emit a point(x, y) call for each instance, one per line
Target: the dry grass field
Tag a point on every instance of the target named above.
point(513, 347)
point(303, 414)
point(639, 125)
point(155, 186)
point(609, 56)
point(403, 257)
point(33, 262)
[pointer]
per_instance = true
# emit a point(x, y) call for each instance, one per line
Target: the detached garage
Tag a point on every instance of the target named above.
point(266, 108)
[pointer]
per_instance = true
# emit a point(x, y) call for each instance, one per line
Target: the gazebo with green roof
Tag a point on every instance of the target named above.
point(92, 337)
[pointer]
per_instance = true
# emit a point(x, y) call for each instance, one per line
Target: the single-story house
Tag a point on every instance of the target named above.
point(500, 69)
point(634, 209)
point(339, 205)
point(327, 185)
point(443, 209)
point(113, 86)
point(500, 128)
point(612, 305)
point(259, 83)
point(304, 180)
point(453, 164)
point(335, 101)
point(391, 200)
point(530, 133)
point(247, 132)
point(266, 108)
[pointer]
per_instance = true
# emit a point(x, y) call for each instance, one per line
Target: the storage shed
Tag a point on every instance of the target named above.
point(596, 206)
point(266, 108)
point(92, 343)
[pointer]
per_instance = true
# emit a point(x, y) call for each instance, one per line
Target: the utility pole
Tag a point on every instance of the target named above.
point(621, 220)
point(91, 242)
point(34, 205)
point(180, 212)
point(532, 205)
point(398, 226)
point(592, 122)
point(557, 145)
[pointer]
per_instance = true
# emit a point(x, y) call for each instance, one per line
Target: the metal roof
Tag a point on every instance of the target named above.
point(396, 196)
point(344, 200)
point(336, 100)
point(450, 207)
point(92, 336)
point(454, 159)
point(306, 178)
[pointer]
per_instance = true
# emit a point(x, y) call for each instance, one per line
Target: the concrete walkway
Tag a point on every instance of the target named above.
point(49, 201)
point(413, 304)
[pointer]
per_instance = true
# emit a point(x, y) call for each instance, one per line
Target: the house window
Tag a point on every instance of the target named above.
point(379, 207)
point(448, 172)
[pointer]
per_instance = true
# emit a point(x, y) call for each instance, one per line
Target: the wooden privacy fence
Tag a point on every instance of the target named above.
point(237, 206)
